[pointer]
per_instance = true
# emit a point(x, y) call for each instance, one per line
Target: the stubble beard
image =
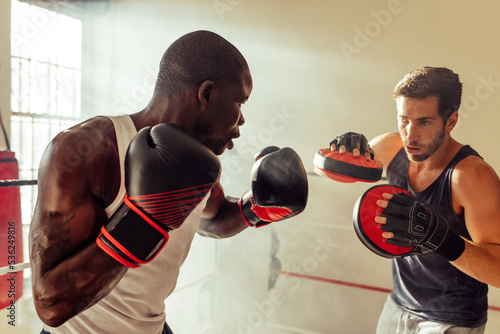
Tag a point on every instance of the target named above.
point(428, 150)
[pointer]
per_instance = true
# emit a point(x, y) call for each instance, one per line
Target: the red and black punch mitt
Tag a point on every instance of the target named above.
point(346, 167)
point(367, 230)
point(416, 228)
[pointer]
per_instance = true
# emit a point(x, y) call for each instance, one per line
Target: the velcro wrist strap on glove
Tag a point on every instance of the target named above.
point(257, 215)
point(131, 237)
point(415, 225)
point(452, 247)
point(249, 216)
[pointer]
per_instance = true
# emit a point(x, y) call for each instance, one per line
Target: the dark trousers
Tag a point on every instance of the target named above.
point(166, 330)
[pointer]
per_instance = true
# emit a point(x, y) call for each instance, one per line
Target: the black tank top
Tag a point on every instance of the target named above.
point(428, 285)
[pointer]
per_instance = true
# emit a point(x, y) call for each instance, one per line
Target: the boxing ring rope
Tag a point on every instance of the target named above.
point(17, 183)
point(14, 268)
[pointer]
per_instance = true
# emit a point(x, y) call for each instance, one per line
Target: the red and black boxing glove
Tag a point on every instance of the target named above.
point(279, 187)
point(345, 167)
point(167, 174)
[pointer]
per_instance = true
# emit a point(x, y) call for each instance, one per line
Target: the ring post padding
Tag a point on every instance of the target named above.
point(11, 242)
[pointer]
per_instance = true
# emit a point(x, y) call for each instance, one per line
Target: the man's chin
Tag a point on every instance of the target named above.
point(417, 157)
point(221, 149)
point(230, 145)
point(215, 146)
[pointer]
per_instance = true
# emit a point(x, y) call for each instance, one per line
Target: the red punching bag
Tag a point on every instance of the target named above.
point(11, 242)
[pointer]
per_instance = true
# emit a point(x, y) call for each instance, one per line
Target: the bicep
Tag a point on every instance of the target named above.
point(66, 217)
point(477, 190)
point(70, 272)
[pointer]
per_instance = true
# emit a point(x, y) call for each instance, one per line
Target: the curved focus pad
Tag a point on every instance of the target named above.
point(367, 230)
point(346, 167)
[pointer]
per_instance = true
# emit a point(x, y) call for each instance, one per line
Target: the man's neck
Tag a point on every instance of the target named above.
point(421, 174)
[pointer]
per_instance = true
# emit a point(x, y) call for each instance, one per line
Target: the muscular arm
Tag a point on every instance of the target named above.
point(221, 216)
point(70, 273)
point(385, 147)
point(476, 191)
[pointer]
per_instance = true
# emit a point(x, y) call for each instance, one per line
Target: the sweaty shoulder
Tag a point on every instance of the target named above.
point(82, 154)
point(385, 147)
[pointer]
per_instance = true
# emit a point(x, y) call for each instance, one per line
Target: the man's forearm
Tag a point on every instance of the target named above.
point(75, 284)
point(226, 223)
point(481, 261)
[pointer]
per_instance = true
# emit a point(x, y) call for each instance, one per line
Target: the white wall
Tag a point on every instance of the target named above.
point(320, 68)
point(329, 65)
point(5, 69)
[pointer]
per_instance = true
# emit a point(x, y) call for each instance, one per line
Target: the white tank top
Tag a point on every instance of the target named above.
point(136, 304)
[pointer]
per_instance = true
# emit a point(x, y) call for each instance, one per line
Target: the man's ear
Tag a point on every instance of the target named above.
point(205, 92)
point(452, 121)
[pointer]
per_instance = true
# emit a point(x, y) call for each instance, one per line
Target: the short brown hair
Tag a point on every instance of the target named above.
point(432, 81)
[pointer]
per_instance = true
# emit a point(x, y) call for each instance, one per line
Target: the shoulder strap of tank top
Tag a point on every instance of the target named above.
point(444, 180)
point(464, 152)
point(125, 130)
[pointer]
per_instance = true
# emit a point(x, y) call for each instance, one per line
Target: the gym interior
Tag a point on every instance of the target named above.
point(320, 69)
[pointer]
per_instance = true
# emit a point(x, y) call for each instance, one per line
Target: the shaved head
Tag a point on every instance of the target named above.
point(195, 58)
